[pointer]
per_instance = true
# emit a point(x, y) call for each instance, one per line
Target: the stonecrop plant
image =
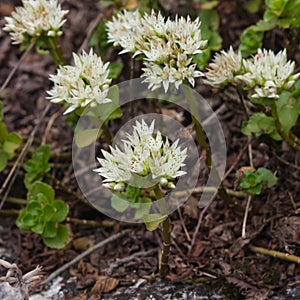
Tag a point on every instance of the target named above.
point(166, 46)
point(269, 81)
point(146, 166)
point(145, 163)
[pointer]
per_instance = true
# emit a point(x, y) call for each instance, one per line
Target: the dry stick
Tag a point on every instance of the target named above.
point(83, 254)
point(183, 225)
point(90, 30)
point(49, 126)
point(124, 260)
point(246, 217)
point(276, 254)
point(105, 223)
point(198, 227)
point(249, 198)
point(237, 160)
point(15, 68)
point(14, 171)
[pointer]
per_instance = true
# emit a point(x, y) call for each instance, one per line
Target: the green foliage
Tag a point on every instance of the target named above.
point(99, 39)
point(280, 13)
point(253, 181)
point(43, 215)
point(210, 22)
point(37, 166)
point(133, 197)
point(9, 142)
point(98, 114)
point(152, 221)
point(253, 6)
point(288, 110)
point(259, 124)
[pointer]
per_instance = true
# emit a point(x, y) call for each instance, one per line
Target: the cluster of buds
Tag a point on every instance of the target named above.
point(167, 46)
point(145, 155)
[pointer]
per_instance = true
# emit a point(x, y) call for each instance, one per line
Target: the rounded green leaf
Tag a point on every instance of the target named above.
point(60, 240)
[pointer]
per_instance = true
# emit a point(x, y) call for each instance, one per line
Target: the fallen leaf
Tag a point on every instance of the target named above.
point(104, 284)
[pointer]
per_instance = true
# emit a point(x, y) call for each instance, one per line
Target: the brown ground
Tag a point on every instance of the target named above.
point(219, 256)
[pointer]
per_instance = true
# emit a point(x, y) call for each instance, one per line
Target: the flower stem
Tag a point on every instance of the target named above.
point(201, 139)
point(200, 135)
point(56, 51)
point(290, 138)
point(166, 235)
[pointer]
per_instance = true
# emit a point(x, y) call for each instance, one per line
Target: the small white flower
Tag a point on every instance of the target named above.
point(34, 19)
point(268, 74)
point(124, 30)
point(223, 69)
point(85, 83)
point(143, 154)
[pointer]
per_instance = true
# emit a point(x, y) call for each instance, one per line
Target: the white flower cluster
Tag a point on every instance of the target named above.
point(265, 74)
point(268, 73)
point(224, 67)
point(142, 155)
point(85, 83)
point(35, 18)
point(167, 46)
point(124, 30)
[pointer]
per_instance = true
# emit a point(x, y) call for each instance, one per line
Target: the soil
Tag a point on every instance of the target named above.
point(219, 261)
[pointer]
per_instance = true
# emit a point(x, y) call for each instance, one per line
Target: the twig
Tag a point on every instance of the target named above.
point(276, 254)
point(183, 225)
point(14, 171)
point(198, 227)
point(85, 253)
point(246, 217)
point(90, 30)
point(92, 223)
point(124, 260)
point(15, 68)
point(49, 125)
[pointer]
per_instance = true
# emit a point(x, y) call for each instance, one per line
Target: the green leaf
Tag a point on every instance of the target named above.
point(86, 137)
point(252, 181)
point(25, 221)
point(60, 240)
point(152, 221)
point(251, 40)
point(3, 160)
point(253, 6)
point(201, 59)
point(99, 39)
point(50, 230)
point(41, 188)
point(118, 203)
point(111, 110)
point(38, 227)
point(259, 124)
point(142, 208)
point(115, 69)
point(37, 166)
point(288, 109)
point(3, 133)
point(61, 210)
point(1, 113)
point(267, 176)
